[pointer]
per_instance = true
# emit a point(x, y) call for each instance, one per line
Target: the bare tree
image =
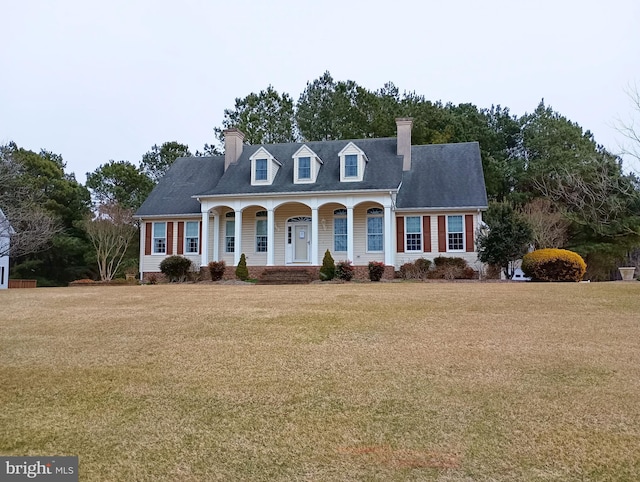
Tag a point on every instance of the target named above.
point(111, 232)
point(549, 224)
point(630, 128)
point(33, 226)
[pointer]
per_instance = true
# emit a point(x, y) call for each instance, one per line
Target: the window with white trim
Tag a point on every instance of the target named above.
point(413, 233)
point(304, 168)
point(159, 238)
point(340, 230)
point(375, 237)
point(230, 232)
point(351, 165)
point(261, 232)
point(455, 233)
point(261, 170)
point(191, 236)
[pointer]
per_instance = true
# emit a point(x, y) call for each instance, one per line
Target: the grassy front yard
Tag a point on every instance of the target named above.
point(384, 381)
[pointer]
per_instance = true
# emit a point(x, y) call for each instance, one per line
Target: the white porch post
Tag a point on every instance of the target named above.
point(388, 237)
point(216, 237)
point(271, 235)
point(143, 235)
point(238, 238)
point(205, 239)
point(350, 234)
point(314, 236)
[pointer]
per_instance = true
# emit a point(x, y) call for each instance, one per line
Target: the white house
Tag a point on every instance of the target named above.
point(6, 231)
point(284, 205)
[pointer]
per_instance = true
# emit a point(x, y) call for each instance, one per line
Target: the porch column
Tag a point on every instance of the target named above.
point(350, 234)
point(238, 238)
point(388, 237)
point(205, 239)
point(314, 236)
point(216, 237)
point(271, 235)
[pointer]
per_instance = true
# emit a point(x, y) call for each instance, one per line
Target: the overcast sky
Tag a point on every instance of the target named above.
point(95, 81)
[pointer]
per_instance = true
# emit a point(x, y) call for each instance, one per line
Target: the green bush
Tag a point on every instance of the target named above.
point(216, 270)
point(242, 272)
point(175, 268)
point(344, 270)
point(328, 269)
point(376, 270)
point(553, 265)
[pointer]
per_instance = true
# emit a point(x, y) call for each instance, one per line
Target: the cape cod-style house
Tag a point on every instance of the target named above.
point(284, 205)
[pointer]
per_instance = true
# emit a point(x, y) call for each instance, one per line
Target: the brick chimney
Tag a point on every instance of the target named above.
point(404, 125)
point(232, 146)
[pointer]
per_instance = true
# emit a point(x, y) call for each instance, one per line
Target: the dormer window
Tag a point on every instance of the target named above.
point(306, 165)
point(261, 169)
point(352, 163)
point(304, 168)
point(264, 167)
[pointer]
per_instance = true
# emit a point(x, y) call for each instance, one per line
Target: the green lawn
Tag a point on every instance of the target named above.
point(375, 381)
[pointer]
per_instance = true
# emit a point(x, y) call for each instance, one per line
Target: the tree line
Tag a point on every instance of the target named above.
point(541, 169)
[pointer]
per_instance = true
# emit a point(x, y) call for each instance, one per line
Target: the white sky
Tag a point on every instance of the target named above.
point(95, 81)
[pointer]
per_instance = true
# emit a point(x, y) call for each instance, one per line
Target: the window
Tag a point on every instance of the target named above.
point(374, 229)
point(261, 232)
point(455, 233)
point(261, 169)
point(413, 233)
point(230, 233)
point(191, 237)
point(159, 238)
point(304, 168)
point(351, 165)
point(340, 230)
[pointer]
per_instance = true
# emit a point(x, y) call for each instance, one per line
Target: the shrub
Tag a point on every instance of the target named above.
point(451, 268)
point(376, 270)
point(152, 279)
point(328, 269)
point(419, 269)
point(553, 265)
point(175, 268)
point(216, 270)
point(344, 270)
point(242, 273)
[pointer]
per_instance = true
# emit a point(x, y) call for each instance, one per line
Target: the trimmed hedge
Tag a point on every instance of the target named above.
point(175, 268)
point(553, 265)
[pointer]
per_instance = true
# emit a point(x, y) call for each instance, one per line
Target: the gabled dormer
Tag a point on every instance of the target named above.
point(306, 165)
point(353, 160)
point(264, 167)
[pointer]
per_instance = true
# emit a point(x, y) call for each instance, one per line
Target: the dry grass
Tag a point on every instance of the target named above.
point(401, 381)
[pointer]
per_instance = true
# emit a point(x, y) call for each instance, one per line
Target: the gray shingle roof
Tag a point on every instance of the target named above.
point(383, 171)
point(444, 176)
point(441, 175)
point(186, 177)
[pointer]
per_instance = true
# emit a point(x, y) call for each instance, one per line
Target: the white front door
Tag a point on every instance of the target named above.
point(301, 243)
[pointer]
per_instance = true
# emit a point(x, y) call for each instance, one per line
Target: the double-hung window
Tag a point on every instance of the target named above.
point(261, 232)
point(455, 233)
point(191, 237)
point(375, 239)
point(413, 231)
point(261, 169)
point(159, 238)
point(340, 230)
point(351, 165)
point(230, 233)
point(304, 168)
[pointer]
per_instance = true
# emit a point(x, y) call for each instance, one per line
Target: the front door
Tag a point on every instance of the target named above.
point(301, 243)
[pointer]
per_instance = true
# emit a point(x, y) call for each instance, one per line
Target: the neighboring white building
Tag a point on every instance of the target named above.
point(5, 233)
point(285, 204)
